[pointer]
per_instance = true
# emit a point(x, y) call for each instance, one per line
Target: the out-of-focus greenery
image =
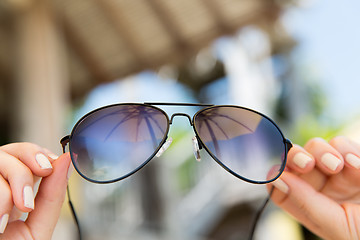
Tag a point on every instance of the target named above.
point(316, 122)
point(186, 174)
point(309, 127)
point(303, 108)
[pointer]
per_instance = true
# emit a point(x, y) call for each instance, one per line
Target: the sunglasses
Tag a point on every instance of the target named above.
point(113, 142)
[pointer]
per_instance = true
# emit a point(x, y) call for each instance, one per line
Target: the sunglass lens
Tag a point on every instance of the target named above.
point(243, 141)
point(113, 142)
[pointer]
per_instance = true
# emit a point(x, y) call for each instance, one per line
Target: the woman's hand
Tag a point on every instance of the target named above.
point(321, 187)
point(22, 165)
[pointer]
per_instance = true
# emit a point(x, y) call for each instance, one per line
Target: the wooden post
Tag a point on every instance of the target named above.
point(41, 77)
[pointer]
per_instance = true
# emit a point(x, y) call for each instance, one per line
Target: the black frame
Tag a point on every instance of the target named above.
point(65, 140)
point(287, 143)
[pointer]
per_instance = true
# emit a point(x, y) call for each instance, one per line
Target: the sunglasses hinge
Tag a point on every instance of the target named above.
point(64, 141)
point(288, 144)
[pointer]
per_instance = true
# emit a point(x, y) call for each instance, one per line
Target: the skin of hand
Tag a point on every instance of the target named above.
point(21, 166)
point(321, 187)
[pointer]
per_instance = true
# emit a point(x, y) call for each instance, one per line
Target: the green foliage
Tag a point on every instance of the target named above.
point(310, 126)
point(186, 174)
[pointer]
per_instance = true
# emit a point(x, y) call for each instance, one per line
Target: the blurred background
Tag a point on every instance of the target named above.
point(297, 61)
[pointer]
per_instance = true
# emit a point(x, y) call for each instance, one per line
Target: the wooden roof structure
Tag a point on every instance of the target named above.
point(110, 39)
point(54, 52)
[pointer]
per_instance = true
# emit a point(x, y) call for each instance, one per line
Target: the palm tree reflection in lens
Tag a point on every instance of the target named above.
point(242, 141)
point(115, 141)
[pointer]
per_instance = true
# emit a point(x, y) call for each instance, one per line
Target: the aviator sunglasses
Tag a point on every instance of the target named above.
point(113, 142)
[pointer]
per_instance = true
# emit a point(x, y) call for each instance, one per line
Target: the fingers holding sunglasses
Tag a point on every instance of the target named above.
point(49, 199)
point(300, 160)
point(40, 222)
point(20, 181)
point(328, 159)
point(303, 164)
point(37, 159)
point(336, 172)
point(318, 213)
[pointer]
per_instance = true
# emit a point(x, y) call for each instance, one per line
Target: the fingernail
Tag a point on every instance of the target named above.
point(281, 185)
point(43, 161)
point(28, 197)
point(53, 156)
point(3, 222)
point(301, 159)
point(330, 161)
point(70, 170)
point(353, 160)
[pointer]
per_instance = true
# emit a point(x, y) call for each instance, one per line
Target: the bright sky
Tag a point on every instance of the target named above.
point(329, 33)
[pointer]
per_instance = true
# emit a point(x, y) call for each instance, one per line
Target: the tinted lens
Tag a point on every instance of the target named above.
point(245, 142)
point(112, 142)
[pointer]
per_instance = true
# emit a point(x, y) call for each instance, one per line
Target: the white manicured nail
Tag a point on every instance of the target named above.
point(301, 159)
point(3, 222)
point(28, 197)
point(330, 161)
point(353, 160)
point(43, 161)
point(281, 185)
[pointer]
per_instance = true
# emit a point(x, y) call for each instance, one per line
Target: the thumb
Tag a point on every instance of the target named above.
point(50, 197)
point(317, 212)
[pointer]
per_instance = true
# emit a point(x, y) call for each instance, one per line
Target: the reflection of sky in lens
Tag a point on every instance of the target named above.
point(110, 160)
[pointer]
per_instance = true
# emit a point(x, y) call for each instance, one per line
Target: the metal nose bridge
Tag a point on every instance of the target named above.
point(181, 114)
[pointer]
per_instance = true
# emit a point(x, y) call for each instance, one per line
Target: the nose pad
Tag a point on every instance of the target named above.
point(164, 147)
point(196, 149)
